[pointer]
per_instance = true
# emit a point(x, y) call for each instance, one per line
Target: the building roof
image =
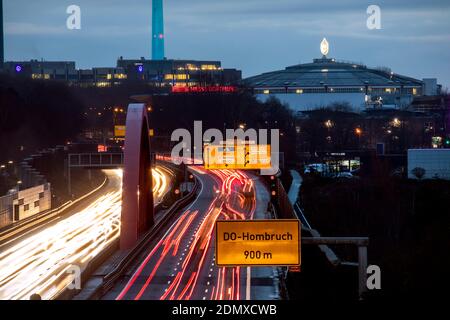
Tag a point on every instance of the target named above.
point(329, 72)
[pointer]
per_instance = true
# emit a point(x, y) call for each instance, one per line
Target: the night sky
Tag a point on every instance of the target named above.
point(252, 35)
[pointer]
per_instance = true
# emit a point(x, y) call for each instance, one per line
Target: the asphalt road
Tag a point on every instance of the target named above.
point(181, 265)
point(44, 259)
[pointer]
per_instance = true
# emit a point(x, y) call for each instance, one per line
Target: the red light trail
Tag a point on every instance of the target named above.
point(187, 245)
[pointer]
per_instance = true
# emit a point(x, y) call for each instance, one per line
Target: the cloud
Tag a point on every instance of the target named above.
point(280, 31)
point(402, 20)
point(22, 28)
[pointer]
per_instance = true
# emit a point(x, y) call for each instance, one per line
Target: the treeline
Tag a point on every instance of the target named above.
point(224, 111)
point(336, 128)
point(36, 115)
point(407, 222)
point(173, 111)
point(39, 114)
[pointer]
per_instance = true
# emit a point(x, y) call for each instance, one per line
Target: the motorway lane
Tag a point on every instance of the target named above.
point(42, 261)
point(182, 264)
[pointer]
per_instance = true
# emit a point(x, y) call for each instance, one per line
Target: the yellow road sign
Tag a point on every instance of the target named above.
point(237, 156)
point(119, 131)
point(258, 243)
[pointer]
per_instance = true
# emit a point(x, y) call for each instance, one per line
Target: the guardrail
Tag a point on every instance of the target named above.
point(108, 251)
point(298, 211)
point(111, 278)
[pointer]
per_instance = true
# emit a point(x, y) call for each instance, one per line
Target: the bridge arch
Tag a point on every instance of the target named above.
point(137, 195)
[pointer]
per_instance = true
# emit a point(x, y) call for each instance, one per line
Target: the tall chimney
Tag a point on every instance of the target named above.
point(157, 30)
point(2, 52)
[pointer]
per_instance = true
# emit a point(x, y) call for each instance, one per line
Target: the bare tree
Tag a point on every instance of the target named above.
point(418, 172)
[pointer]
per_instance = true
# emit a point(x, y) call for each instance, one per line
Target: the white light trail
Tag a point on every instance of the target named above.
point(39, 263)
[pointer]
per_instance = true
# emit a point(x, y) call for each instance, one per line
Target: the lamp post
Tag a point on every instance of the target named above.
point(358, 132)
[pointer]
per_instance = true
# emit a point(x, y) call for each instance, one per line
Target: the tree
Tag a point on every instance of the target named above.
point(418, 172)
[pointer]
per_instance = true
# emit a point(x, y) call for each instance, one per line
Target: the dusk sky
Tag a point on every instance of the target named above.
point(252, 35)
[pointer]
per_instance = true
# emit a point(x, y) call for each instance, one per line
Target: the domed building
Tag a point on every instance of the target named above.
point(326, 81)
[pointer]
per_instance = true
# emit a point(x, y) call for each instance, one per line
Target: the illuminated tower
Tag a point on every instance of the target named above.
point(157, 30)
point(2, 53)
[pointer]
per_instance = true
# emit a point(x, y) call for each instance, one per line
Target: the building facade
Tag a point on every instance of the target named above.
point(19, 205)
point(161, 73)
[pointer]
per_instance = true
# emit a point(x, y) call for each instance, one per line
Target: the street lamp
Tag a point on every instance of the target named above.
point(328, 124)
point(396, 122)
point(358, 132)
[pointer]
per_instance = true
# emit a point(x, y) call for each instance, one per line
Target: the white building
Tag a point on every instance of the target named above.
point(326, 81)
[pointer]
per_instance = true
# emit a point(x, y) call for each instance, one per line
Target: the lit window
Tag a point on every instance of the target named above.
point(176, 76)
point(208, 67)
point(266, 91)
point(103, 84)
point(414, 91)
point(299, 91)
point(191, 67)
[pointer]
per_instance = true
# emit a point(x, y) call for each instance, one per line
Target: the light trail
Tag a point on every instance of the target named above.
point(234, 198)
point(42, 263)
point(161, 179)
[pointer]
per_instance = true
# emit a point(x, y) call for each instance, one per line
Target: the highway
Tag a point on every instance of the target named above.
point(181, 265)
point(43, 261)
